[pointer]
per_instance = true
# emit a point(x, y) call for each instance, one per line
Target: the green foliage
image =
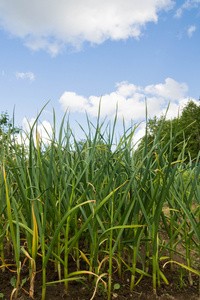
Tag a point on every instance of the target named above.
point(6, 125)
point(191, 115)
point(183, 131)
point(116, 286)
point(181, 279)
point(101, 205)
point(13, 281)
point(7, 129)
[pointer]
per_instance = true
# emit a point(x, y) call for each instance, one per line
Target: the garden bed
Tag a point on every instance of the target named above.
point(178, 287)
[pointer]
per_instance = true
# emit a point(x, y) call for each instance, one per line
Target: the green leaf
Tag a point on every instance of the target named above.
point(116, 286)
point(23, 281)
point(13, 281)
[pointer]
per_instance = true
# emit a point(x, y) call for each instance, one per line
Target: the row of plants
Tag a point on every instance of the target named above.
point(101, 202)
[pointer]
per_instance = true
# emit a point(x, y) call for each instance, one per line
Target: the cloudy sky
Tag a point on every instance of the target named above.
point(76, 52)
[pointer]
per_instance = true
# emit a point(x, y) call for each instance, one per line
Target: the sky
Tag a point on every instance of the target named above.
point(76, 52)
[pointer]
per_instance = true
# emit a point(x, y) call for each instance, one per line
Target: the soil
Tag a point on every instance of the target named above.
point(177, 289)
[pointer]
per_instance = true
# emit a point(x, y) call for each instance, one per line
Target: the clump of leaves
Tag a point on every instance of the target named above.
point(13, 282)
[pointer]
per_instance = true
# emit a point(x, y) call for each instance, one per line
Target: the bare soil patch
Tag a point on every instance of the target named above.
point(178, 287)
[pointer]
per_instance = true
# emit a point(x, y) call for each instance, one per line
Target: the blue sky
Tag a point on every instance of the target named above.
point(74, 52)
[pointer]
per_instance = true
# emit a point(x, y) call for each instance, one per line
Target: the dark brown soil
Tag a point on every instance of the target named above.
point(177, 289)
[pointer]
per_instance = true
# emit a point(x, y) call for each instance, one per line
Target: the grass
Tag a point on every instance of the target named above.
point(114, 199)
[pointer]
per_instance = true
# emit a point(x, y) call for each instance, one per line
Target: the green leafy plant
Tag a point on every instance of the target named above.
point(116, 286)
point(100, 202)
point(13, 281)
point(181, 279)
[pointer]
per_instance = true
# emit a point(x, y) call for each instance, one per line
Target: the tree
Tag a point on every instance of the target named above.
point(190, 124)
point(6, 124)
point(6, 127)
point(186, 128)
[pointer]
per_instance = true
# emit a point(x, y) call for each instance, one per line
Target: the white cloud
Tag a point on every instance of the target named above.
point(178, 13)
point(171, 89)
point(191, 30)
point(139, 134)
point(50, 24)
point(130, 100)
point(27, 75)
point(44, 129)
point(188, 4)
point(75, 102)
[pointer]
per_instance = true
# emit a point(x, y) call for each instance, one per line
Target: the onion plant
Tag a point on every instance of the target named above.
point(100, 202)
